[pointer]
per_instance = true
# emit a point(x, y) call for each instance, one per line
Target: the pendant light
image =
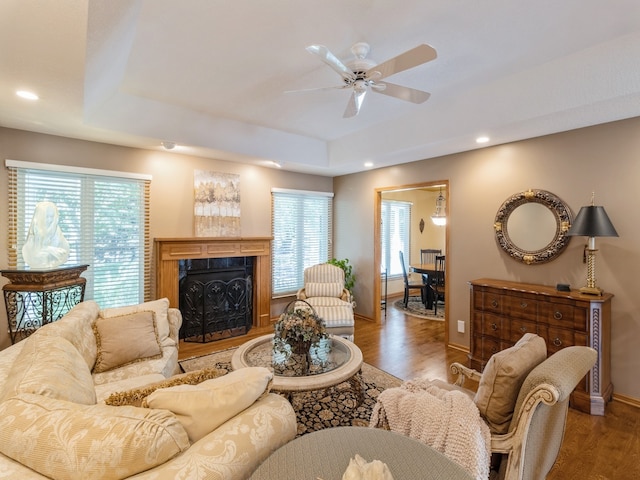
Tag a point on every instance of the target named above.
point(439, 217)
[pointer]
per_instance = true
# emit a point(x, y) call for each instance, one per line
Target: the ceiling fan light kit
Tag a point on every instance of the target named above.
point(362, 74)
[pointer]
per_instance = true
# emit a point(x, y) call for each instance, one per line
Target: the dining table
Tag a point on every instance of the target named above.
point(428, 269)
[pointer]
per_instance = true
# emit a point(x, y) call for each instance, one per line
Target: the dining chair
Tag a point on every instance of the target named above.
point(437, 285)
point(428, 257)
point(408, 286)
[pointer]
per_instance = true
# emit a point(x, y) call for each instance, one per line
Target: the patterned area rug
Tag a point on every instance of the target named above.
point(416, 308)
point(320, 409)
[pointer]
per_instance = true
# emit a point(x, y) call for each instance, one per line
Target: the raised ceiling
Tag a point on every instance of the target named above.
point(211, 75)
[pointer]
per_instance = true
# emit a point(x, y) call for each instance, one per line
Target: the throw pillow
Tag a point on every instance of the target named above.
point(161, 309)
point(67, 441)
point(502, 379)
point(204, 407)
point(125, 339)
point(333, 289)
point(137, 395)
point(52, 367)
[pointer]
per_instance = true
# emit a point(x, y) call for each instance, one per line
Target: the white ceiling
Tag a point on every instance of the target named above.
point(211, 75)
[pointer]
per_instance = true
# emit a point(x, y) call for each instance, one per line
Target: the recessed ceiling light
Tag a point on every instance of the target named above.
point(169, 145)
point(368, 164)
point(26, 94)
point(482, 139)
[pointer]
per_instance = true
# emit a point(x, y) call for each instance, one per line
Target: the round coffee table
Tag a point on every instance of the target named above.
point(325, 455)
point(337, 361)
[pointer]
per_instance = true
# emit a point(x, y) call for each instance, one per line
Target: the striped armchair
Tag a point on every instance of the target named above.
point(324, 291)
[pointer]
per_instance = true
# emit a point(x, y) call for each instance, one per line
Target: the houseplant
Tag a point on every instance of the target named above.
point(349, 277)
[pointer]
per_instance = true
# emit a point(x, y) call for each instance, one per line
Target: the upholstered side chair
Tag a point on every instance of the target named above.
point(324, 290)
point(524, 397)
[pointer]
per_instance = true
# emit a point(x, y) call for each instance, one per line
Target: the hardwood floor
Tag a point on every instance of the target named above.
point(594, 448)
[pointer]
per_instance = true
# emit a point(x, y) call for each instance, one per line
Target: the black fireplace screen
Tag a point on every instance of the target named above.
point(216, 298)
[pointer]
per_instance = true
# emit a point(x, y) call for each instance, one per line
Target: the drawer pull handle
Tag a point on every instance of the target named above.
point(494, 303)
point(494, 349)
point(494, 327)
point(523, 329)
point(523, 304)
point(557, 342)
point(557, 315)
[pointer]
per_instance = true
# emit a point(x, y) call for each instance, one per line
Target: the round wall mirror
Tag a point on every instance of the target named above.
point(531, 226)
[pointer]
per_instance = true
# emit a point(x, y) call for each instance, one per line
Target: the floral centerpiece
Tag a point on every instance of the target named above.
point(298, 328)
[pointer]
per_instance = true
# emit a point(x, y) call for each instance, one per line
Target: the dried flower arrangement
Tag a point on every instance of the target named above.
point(299, 327)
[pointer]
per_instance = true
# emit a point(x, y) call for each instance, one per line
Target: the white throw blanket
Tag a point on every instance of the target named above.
point(448, 421)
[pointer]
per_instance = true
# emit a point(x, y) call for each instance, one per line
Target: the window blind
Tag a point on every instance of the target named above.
point(302, 232)
point(105, 219)
point(395, 234)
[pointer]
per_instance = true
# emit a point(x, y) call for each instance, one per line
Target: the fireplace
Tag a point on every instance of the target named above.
point(169, 252)
point(215, 298)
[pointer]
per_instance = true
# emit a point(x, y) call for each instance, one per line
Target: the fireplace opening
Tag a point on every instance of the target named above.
point(215, 298)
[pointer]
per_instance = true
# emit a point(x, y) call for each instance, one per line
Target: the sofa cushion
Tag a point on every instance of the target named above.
point(329, 289)
point(135, 396)
point(161, 309)
point(66, 441)
point(76, 326)
point(50, 366)
point(502, 378)
point(125, 339)
point(204, 407)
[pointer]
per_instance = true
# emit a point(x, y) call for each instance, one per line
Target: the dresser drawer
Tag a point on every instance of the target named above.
point(492, 325)
point(484, 347)
point(518, 327)
point(558, 338)
point(489, 300)
point(565, 316)
point(525, 307)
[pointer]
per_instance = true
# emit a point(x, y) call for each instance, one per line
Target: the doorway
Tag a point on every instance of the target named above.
point(420, 233)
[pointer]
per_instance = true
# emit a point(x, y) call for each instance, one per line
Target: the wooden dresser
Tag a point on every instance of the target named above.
point(502, 312)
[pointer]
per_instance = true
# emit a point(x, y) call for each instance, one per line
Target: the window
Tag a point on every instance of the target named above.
point(395, 233)
point(301, 228)
point(103, 215)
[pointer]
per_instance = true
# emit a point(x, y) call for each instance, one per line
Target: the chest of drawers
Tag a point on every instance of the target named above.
point(502, 312)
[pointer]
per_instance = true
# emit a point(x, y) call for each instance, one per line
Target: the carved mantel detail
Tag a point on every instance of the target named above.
point(169, 251)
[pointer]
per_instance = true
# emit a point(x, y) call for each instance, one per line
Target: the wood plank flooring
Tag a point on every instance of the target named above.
point(594, 448)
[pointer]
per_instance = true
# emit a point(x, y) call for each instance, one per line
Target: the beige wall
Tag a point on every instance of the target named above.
point(571, 165)
point(171, 188)
point(604, 159)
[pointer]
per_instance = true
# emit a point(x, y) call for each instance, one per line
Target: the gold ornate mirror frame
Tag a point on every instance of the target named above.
point(561, 214)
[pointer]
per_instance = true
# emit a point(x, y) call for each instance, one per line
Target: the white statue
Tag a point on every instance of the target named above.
point(46, 246)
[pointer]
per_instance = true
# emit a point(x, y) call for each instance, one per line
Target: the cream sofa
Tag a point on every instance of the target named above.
point(54, 422)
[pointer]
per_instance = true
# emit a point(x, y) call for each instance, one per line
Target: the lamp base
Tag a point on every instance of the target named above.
point(591, 290)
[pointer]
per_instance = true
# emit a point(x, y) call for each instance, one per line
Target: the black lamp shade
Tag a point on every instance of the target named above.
point(592, 221)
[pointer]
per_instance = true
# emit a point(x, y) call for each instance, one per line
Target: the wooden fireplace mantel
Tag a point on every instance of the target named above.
point(169, 251)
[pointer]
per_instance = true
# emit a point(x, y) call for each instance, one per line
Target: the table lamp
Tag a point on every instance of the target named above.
point(592, 221)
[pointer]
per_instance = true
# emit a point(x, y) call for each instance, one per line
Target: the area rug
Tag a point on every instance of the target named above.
point(320, 409)
point(416, 308)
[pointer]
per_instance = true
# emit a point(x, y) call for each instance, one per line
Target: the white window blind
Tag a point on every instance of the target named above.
point(395, 234)
point(104, 218)
point(302, 232)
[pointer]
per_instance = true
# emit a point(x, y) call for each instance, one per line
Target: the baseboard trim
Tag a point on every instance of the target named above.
point(634, 402)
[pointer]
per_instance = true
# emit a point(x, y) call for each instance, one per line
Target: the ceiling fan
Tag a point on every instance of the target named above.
point(362, 74)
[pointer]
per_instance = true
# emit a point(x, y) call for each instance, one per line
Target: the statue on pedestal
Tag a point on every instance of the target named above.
point(46, 246)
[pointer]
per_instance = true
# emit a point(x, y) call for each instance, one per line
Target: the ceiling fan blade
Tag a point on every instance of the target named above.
point(330, 59)
point(409, 59)
point(403, 93)
point(317, 89)
point(355, 102)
